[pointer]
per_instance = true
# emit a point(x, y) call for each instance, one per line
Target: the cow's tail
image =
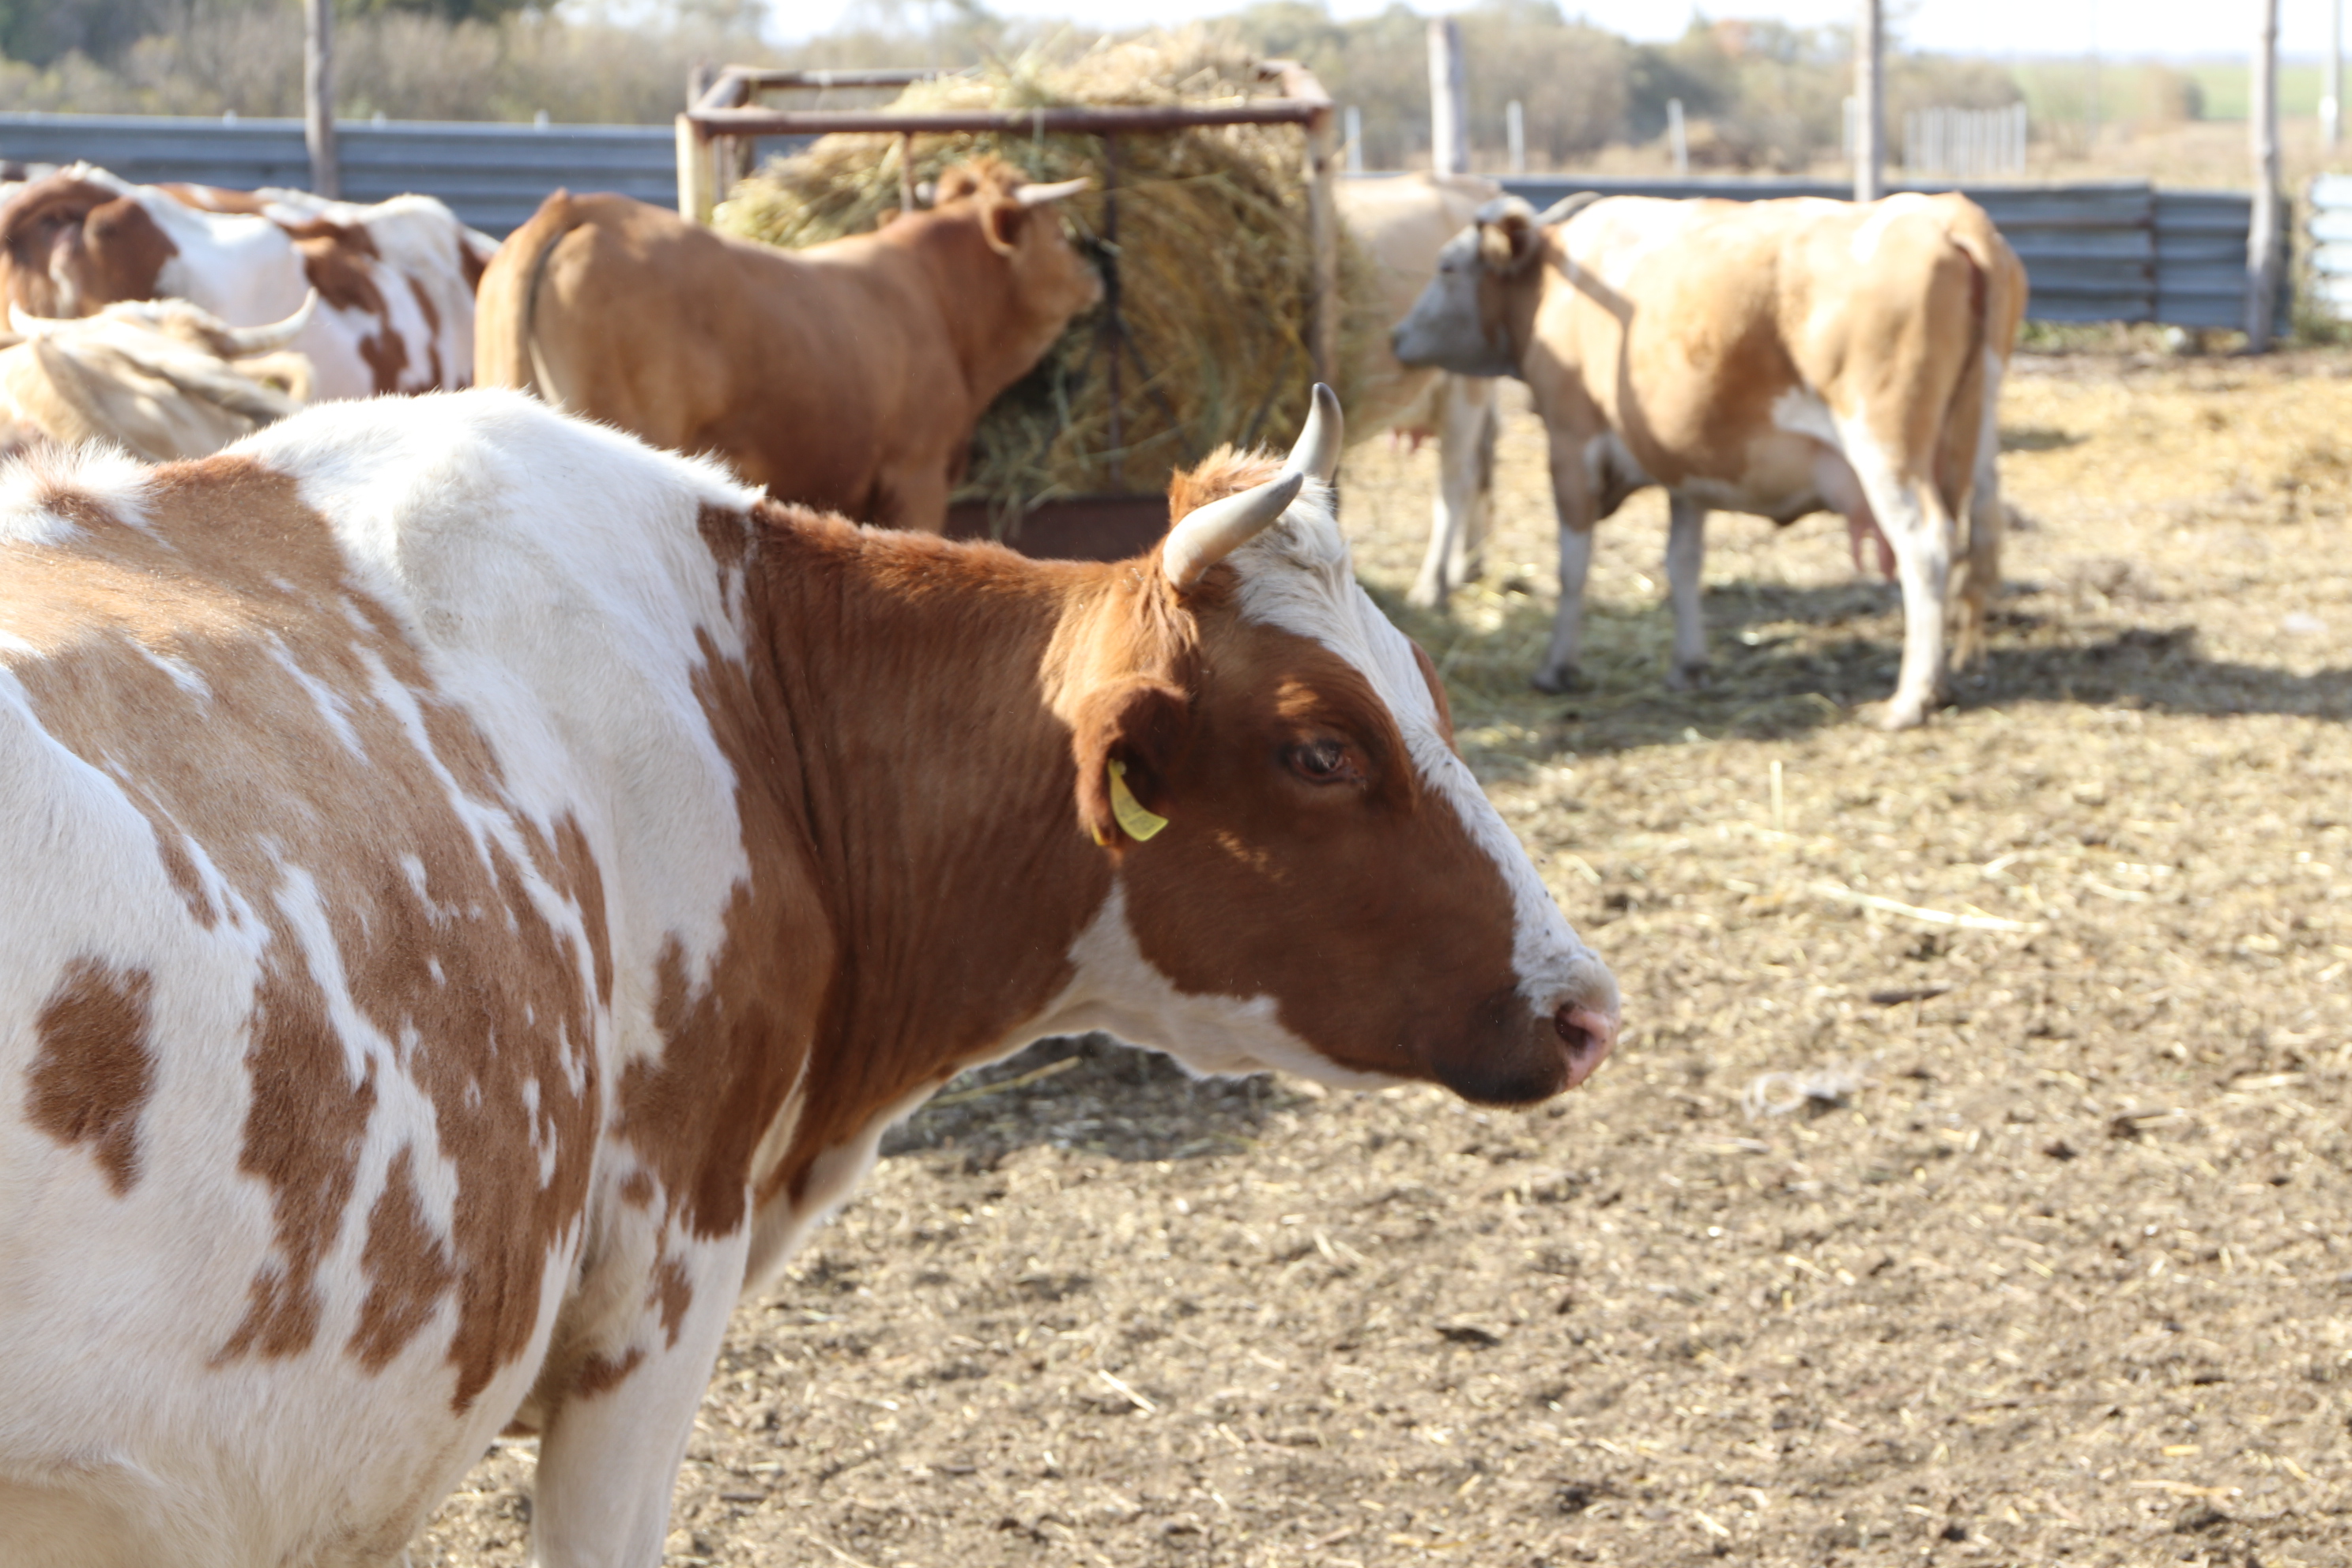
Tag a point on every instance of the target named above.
point(1966, 470)
point(506, 344)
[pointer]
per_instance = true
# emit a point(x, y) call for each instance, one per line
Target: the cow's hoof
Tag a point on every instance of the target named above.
point(1558, 682)
point(1687, 677)
point(1898, 715)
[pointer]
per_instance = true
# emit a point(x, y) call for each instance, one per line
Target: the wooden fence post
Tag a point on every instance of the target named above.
point(1449, 101)
point(319, 95)
point(1323, 235)
point(1870, 106)
point(697, 187)
point(2263, 232)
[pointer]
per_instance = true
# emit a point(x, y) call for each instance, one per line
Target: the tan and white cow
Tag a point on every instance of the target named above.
point(1403, 221)
point(394, 279)
point(478, 889)
point(1779, 357)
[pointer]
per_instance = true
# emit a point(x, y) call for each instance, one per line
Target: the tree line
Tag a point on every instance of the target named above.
point(1755, 95)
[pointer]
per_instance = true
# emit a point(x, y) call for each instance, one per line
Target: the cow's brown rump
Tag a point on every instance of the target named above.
point(847, 377)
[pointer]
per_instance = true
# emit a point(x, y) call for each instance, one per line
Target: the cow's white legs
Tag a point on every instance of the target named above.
point(1459, 515)
point(1919, 528)
point(1988, 520)
point(1686, 565)
point(1560, 666)
point(608, 1460)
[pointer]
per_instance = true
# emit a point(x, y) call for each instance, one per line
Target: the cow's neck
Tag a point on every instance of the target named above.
point(986, 320)
point(911, 754)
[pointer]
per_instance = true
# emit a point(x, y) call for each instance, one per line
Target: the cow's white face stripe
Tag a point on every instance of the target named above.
point(1297, 575)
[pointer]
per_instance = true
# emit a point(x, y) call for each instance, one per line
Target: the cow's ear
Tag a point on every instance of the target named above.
point(1507, 243)
point(1000, 221)
point(1139, 723)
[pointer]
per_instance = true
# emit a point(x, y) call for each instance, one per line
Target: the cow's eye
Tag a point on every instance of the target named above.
point(1323, 762)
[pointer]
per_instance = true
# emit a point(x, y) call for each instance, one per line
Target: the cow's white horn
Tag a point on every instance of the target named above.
point(1208, 534)
point(1316, 451)
point(244, 341)
point(1038, 195)
point(27, 325)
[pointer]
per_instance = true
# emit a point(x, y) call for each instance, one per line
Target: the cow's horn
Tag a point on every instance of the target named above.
point(1210, 533)
point(246, 341)
point(1316, 451)
point(27, 325)
point(1038, 195)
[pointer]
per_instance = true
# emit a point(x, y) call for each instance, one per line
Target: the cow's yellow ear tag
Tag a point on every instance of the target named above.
point(1139, 824)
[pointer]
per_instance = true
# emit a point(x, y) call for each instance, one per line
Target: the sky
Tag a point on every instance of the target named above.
point(2116, 28)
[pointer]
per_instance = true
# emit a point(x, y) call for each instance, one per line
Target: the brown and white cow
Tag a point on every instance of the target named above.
point(1779, 357)
point(848, 375)
point(394, 279)
point(478, 889)
point(160, 378)
point(1403, 221)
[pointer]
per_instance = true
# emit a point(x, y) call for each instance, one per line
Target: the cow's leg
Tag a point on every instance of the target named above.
point(1686, 565)
point(609, 1452)
point(1476, 412)
point(1918, 527)
point(913, 497)
point(1459, 514)
point(1574, 503)
point(1988, 520)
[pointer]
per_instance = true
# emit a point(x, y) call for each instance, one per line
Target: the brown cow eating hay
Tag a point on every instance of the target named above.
point(847, 376)
point(479, 889)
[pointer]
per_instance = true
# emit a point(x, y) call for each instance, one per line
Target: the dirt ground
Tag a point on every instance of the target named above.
point(1882, 1239)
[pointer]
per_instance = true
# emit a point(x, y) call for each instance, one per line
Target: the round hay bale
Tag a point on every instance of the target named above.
point(1212, 265)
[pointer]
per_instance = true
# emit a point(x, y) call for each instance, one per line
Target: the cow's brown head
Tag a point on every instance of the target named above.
point(1307, 876)
point(71, 243)
point(1049, 281)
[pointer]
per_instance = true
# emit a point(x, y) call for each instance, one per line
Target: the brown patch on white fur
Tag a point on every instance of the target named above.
point(441, 940)
point(96, 1068)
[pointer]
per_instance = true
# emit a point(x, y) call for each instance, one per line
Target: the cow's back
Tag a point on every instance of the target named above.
point(1708, 334)
point(782, 362)
point(307, 1015)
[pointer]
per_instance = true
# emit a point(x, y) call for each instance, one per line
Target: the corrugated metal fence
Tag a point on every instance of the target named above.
point(2116, 250)
point(2331, 244)
point(493, 175)
point(2122, 250)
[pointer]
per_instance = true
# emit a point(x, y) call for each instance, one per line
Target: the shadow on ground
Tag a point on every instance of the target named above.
point(1094, 1093)
point(1790, 660)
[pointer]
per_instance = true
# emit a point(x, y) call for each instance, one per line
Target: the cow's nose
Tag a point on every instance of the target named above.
point(1587, 1035)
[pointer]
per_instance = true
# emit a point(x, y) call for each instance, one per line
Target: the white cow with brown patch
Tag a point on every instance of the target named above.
point(480, 888)
point(395, 279)
point(1779, 358)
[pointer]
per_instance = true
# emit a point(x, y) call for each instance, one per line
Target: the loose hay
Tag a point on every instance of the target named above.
point(1211, 265)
